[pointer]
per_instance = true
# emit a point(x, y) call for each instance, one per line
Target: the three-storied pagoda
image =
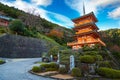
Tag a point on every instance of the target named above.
point(86, 32)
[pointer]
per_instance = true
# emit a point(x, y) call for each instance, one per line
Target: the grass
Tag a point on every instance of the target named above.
point(50, 42)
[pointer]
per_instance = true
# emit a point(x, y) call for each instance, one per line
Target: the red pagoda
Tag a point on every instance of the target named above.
point(86, 32)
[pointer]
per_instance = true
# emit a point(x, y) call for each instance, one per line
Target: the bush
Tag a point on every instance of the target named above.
point(62, 70)
point(54, 65)
point(45, 65)
point(105, 64)
point(91, 52)
point(98, 57)
point(87, 59)
point(108, 72)
point(36, 69)
point(50, 67)
point(17, 26)
point(76, 72)
point(2, 61)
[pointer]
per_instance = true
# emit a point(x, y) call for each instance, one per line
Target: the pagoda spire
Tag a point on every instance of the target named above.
point(83, 9)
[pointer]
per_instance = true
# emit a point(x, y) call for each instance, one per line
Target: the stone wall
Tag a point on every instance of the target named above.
point(14, 46)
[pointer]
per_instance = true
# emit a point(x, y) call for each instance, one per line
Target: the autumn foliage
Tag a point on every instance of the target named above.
point(55, 33)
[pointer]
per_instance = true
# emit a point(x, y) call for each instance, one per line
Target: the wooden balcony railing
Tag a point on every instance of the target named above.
point(80, 43)
point(84, 31)
point(83, 22)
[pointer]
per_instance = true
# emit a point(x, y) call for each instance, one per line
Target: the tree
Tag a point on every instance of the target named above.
point(17, 26)
point(53, 51)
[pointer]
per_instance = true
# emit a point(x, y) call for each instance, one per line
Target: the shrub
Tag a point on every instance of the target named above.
point(17, 26)
point(54, 65)
point(45, 65)
point(51, 69)
point(99, 57)
point(53, 51)
point(105, 64)
point(108, 72)
point(36, 69)
point(2, 61)
point(62, 70)
point(76, 72)
point(91, 52)
point(87, 59)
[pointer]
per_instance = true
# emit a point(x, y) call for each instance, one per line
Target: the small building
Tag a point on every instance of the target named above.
point(4, 21)
point(86, 32)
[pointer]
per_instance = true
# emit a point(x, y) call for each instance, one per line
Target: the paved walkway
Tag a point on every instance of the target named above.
point(17, 69)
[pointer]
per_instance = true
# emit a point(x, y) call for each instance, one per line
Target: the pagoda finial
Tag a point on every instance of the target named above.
point(83, 8)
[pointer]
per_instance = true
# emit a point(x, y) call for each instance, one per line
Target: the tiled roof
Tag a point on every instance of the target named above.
point(6, 18)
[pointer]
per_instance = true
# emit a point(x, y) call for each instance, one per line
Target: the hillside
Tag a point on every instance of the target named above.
point(40, 24)
point(112, 39)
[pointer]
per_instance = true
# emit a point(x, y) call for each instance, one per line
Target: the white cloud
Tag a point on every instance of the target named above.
point(42, 2)
point(60, 19)
point(90, 5)
point(115, 14)
point(53, 17)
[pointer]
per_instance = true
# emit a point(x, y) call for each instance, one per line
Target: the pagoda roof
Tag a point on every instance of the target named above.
point(81, 43)
point(87, 33)
point(84, 16)
point(86, 25)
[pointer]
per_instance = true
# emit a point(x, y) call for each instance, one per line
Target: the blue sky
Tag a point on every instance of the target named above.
point(62, 11)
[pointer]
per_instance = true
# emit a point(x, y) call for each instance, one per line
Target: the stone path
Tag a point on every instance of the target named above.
point(18, 70)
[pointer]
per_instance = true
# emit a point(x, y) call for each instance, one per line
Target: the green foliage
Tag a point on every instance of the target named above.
point(42, 25)
point(10, 11)
point(65, 57)
point(112, 38)
point(98, 57)
point(17, 26)
point(2, 30)
point(50, 66)
point(51, 69)
point(2, 61)
point(54, 65)
point(36, 69)
point(86, 48)
point(108, 72)
point(62, 70)
point(91, 52)
point(105, 64)
point(53, 51)
point(76, 72)
point(87, 59)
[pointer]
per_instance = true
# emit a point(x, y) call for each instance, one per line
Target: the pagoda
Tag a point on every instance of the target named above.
point(86, 32)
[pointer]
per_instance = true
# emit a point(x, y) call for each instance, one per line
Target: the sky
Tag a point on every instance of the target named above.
point(63, 11)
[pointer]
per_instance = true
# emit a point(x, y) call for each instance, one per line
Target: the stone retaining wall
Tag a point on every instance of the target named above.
point(14, 46)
